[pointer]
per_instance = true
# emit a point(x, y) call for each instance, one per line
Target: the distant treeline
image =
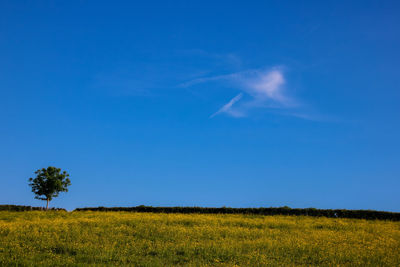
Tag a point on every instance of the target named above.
point(354, 214)
point(24, 208)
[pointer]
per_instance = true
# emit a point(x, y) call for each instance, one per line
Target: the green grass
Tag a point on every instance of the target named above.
point(148, 239)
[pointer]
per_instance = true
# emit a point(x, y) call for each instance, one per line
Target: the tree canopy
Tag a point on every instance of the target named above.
point(48, 183)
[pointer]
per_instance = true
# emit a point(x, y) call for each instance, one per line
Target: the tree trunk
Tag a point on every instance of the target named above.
point(47, 206)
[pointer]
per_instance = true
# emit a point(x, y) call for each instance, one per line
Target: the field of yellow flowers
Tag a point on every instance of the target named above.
point(56, 238)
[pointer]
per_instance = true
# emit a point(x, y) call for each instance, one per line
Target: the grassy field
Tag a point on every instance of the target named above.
point(57, 238)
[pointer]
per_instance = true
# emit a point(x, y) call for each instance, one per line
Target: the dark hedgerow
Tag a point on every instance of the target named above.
point(338, 213)
point(23, 208)
point(353, 214)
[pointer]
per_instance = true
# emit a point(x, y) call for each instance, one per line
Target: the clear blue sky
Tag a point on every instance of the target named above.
point(235, 103)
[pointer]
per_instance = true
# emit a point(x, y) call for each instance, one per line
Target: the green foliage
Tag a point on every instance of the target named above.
point(49, 183)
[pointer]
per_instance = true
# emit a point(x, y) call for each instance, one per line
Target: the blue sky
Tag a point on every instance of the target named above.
point(239, 104)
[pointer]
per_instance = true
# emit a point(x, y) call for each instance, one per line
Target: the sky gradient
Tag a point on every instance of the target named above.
point(269, 103)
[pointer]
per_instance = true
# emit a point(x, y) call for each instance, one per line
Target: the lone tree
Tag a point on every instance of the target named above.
point(49, 183)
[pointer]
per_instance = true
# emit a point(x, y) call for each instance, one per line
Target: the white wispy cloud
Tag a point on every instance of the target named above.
point(266, 89)
point(267, 86)
point(227, 108)
point(226, 77)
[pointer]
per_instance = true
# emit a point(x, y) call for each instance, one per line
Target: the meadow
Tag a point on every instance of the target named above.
point(81, 238)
